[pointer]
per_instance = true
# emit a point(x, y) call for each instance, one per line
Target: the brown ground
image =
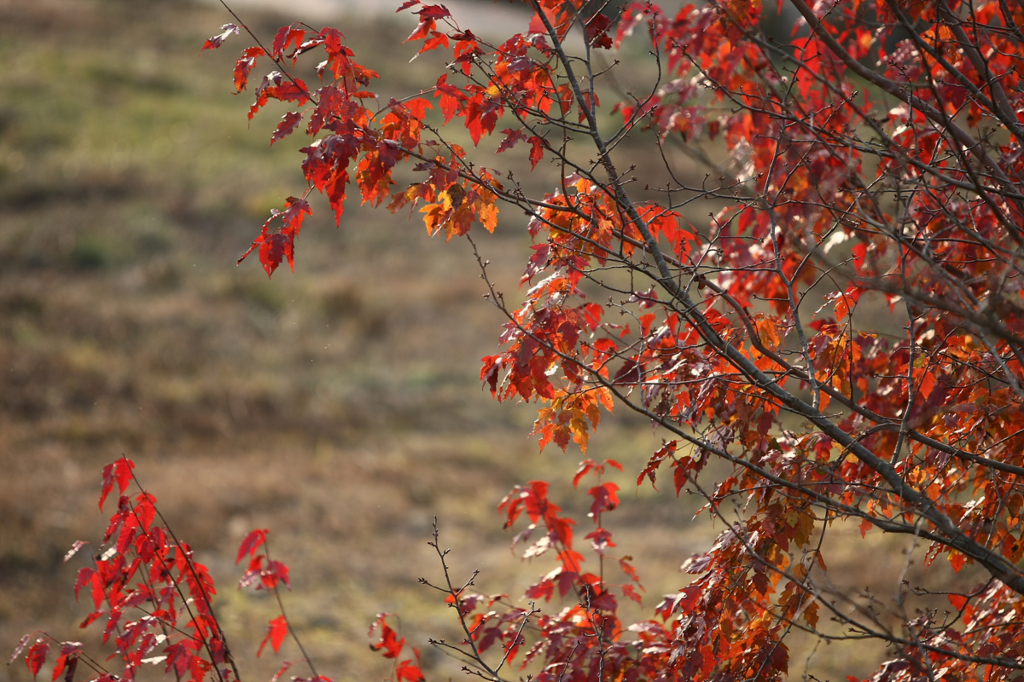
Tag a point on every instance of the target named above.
point(338, 406)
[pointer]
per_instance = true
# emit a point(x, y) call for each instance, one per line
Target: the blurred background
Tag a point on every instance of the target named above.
point(338, 406)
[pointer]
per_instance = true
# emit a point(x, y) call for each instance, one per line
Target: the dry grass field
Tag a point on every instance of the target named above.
point(338, 406)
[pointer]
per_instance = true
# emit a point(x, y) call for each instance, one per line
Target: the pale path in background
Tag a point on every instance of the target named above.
point(489, 20)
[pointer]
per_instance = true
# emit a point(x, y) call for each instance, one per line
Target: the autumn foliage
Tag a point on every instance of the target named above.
point(844, 331)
